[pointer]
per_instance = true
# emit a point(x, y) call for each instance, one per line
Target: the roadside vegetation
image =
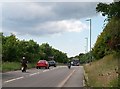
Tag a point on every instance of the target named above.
point(13, 66)
point(102, 63)
point(102, 73)
point(14, 49)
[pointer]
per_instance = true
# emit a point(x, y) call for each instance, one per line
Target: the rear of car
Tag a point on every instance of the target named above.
point(52, 63)
point(42, 63)
point(75, 63)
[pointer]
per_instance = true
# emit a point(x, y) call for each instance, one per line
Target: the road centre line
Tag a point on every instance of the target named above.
point(54, 68)
point(13, 79)
point(66, 79)
point(62, 66)
point(34, 74)
point(45, 70)
point(20, 77)
point(28, 75)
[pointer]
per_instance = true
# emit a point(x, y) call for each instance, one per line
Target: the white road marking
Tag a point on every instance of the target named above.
point(62, 66)
point(54, 68)
point(45, 70)
point(34, 74)
point(13, 79)
point(66, 79)
point(30, 74)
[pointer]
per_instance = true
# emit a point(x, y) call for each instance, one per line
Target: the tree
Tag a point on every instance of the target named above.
point(9, 47)
point(46, 51)
point(1, 36)
point(112, 30)
point(14, 50)
point(113, 33)
point(110, 10)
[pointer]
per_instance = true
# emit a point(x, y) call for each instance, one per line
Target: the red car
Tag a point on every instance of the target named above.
point(42, 63)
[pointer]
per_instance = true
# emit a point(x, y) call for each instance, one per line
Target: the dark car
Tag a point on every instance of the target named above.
point(75, 63)
point(42, 63)
point(52, 63)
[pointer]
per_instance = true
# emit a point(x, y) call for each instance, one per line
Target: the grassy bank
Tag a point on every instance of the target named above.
point(102, 73)
point(12, 66)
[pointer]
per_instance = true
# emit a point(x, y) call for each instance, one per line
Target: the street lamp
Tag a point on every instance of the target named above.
point(90, 32)
point(86, 47)
point(90, 39)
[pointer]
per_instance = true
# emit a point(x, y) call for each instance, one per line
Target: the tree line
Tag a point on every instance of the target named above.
point(108, 42)
point(14, 49)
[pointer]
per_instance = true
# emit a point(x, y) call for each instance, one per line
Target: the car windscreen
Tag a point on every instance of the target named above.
point(51, 61)
point(41, 61)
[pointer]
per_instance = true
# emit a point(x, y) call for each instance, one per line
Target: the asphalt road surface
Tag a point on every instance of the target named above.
point(59, 76)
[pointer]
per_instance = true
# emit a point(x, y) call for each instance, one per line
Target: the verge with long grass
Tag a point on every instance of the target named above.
point(102, 73)
point(13, 66)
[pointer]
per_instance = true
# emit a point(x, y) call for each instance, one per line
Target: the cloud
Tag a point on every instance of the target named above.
point(62, 26)
point(45, 18)
point(75, 10)
point(54, 27)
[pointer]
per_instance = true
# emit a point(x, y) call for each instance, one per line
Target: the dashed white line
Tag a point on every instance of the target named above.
point(45, 70)
point(30, 75)
point(34, 74)
point(13, 79)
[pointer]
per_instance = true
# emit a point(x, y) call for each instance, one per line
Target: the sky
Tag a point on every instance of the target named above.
point(62, 25)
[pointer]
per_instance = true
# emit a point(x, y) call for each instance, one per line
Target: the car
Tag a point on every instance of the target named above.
point(52, 63)
point(42, 63)
point(75, 63)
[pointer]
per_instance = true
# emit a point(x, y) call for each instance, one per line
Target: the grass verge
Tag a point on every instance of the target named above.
point(102, 73)
point(12, 66)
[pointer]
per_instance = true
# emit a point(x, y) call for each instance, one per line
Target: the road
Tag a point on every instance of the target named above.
point(59, 76)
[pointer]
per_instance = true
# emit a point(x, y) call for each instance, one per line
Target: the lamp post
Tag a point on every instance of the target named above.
point(90, 39)
point(90, 32)
point(86, 47)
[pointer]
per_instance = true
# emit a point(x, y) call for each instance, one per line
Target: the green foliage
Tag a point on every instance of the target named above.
point(100, 49)
point(102, 73)
point(111, 10)
point(85, 58)
point(113, 32)
point(109, 40)
point(12, 66)
point(9, 46)
point(0, 48)
point(114, 83)
point(47, 51)
point(14, 49)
